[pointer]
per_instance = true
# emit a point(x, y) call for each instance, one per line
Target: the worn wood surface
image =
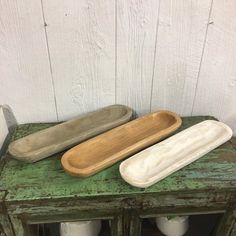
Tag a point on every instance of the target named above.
point(65, 135)
point(47, 180)
point(180, 42)
point(135, 51)
point(227, 224)
point(162, 159)
point(19, 227)
point(6, 226)
point(24, 62)
point(217, 96)
point(117, 225)
point(5, 223)
point(81, 39)
point(119, 143)
point(71, 57)
point(42, 192)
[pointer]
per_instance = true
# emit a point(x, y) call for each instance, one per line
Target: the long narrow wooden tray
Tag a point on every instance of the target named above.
point(44, 143)
point(104, 150)
point(160, 160)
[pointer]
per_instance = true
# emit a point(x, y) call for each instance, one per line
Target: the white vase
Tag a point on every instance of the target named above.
point(81, 228)
point(176, 226)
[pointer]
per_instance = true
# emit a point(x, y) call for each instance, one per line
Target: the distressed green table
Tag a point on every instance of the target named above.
point(42, 192)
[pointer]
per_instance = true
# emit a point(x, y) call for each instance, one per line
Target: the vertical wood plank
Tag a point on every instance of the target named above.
point(136, 35)
point(20, 228)
point(25, 82)
point(226, 224)
point(5, 225)
point(180, 40)
point(135, 225)
point(116, 226)
point(81, 37)
point(216, 90)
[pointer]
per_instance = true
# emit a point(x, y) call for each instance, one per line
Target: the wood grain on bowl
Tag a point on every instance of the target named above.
point(52, 140)
point(106, 149)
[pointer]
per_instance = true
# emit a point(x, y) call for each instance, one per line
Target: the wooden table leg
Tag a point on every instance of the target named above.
point(20, 228)
point(116, 226)
point(135, 225)
point(132, 223)
point(5, 226)
point(233, 233)
point(227, 225)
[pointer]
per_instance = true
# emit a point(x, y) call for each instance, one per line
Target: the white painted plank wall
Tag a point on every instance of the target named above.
point(136, 38)
point(147, 54)
point(81, 39)
point(25, 78)
point(216, 90)
point(180, 41)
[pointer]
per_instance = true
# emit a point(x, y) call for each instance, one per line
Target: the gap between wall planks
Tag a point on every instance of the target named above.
point(216, 90)
point(136, 39)
point(25, 82)
point(180, 43)
point(81, 39)
point(132, 52)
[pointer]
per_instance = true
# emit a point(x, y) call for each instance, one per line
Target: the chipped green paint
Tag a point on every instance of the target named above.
point(43, 192)
point(46, 178)
point(26, 129)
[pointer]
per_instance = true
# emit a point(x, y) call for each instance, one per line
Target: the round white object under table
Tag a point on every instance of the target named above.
point(81, 228)
point(176, 226)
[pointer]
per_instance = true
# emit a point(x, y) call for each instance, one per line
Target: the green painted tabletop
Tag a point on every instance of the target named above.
point(47, 179)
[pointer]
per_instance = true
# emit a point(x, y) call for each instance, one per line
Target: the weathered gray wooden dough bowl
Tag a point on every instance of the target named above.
point(49, 141)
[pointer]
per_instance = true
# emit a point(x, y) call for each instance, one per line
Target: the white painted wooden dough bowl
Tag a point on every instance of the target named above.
point(81, 228)
point(160, 160)
point(176, 226)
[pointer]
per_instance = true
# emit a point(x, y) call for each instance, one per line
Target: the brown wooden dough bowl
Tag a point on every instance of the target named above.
point(104, 150)
point(49, 141)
